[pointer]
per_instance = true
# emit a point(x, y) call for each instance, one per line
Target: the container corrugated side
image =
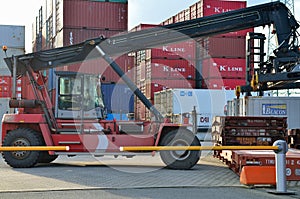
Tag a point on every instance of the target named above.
point(274, 106)
point(112, 93)
point(99, 66)
point(170, 68)
point(218, 7)
point(182, 50)
point(106, 15)
point(4, 104)
point(9, 53)
point(12, 36)
point(208, 103)
point(76, 35)
point(223, 68)
point(223, 47)
point(224, 83)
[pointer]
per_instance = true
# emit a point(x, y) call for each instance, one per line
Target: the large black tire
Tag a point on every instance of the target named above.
point(46, 158)
point(180, 159)
point(22, 137)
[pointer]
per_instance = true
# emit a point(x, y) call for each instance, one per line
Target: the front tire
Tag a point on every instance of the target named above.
point(180, 159)
point(22, 137)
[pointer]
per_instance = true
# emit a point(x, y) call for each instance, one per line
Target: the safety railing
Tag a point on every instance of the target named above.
point(34, 148)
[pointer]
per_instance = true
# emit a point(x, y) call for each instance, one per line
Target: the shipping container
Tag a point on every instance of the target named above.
point(223, 47)
point(12, 36)
point(269, 106)
point(218, 7)
point(101, 67)
point(182, 50)
point(5, 86)
point(223, 68)
point(204, 8)
point(118, 98)
point(93, 14)
point(76, 35)
point(143, 27)
point(208, 103)
point(4, 108)
point(222, 83)
point(170, 68)
point(174, 83)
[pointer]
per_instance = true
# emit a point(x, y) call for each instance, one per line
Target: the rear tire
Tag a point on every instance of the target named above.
point(22, 137)
point(180, 159)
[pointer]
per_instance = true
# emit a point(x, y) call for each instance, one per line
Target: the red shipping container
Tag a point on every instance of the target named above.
point(223, 47)
point(223, 68)
point(99, 66)
point(170, 68)
point(93, 14)
point(227, 84)
point(143, 27)
point(5, 86)
point(5, 94)
point(77, 35)
point(151, 88)
point(218, 7)
point(174, 83)
point(182, 50)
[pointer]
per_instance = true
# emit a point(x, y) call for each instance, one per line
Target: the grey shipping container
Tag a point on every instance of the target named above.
point(268, 106)
point(4, 108)
point(12, 36)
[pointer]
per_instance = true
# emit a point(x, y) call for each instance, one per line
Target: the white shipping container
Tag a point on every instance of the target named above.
point(269, 106)
point(208, 103)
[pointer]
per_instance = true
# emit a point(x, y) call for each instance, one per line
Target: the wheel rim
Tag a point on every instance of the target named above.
point(180, 155)
point(21, 154)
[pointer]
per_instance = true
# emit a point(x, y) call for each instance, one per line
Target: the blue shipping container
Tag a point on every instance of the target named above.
point(118, 98)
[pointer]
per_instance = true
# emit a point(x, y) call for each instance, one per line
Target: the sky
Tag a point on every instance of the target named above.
point(23, 12)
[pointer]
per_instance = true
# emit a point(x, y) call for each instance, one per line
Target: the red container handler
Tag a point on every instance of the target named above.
point(223, 68)
point(242, 158)
point(93, 14)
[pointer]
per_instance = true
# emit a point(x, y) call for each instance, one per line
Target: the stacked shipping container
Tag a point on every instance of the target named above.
point(219, 61)
point(14, 38)
point(67, 22)
point(168, 66)
point(223, 60)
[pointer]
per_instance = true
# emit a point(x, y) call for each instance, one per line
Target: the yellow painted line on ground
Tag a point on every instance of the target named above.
point(34, 148)
point(195, 148)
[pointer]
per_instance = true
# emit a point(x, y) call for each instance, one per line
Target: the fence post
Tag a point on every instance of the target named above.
point(280, 163)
